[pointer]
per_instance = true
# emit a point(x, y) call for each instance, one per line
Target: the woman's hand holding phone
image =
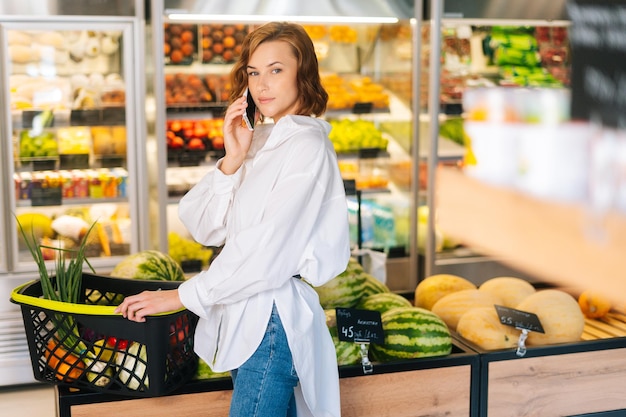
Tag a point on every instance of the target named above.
point(250, 115)
point(237, 136)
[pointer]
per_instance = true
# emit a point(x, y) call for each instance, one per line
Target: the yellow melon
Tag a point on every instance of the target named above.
point(451, 307)
point(510, 290)
point(434, 287)
point(559, 314)
point(482, 327)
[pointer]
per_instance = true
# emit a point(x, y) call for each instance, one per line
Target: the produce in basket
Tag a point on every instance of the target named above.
point(150, 265)
point(132, 366)
point(76, 338)
point(66, 354)
point(68, 366)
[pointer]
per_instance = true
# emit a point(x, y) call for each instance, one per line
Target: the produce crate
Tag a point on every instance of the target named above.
point(113, 354)
point(438, 386)
point(569, 379)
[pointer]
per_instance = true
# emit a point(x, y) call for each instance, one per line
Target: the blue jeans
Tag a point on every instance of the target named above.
point(263, 385)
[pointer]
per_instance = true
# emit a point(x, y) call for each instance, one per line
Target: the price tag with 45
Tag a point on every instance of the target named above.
point(355, 325)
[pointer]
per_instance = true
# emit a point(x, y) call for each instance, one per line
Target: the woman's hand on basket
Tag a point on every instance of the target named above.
point(137, 307)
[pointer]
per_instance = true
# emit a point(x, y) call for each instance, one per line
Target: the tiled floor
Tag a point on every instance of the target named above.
point(28, 401)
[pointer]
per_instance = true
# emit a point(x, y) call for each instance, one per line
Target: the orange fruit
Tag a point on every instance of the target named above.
point(176, 56)
point(229, 42)
point(187, 36)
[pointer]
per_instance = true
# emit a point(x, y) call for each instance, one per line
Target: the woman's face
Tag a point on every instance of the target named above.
point(272, 73)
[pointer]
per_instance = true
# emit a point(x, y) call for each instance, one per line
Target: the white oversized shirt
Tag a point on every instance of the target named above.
point(283, 213)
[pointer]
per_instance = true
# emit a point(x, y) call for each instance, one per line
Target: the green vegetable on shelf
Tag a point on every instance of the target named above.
point(39, 146)
point(452, 129)
point(204, 371)
point(351, 135)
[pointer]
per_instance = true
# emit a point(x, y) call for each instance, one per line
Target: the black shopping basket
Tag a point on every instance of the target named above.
point(87, 346)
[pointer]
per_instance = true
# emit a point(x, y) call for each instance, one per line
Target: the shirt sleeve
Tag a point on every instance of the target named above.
point(304, 229)
point(204, 209)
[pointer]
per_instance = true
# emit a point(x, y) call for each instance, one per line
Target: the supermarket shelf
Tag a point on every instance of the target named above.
point(78, 201)
point(554, 241)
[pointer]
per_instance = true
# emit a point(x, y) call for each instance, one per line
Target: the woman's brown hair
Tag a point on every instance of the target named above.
point(313, 96)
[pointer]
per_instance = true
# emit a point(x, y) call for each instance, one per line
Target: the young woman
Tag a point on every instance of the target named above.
point(276, 204)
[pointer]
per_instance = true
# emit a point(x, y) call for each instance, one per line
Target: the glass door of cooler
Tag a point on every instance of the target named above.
point(72, 123)
point(366, 64)
point(4, 172)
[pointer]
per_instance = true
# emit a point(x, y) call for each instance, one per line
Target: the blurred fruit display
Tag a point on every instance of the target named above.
point(221, 43)
point(316, 32)
point(343, 34)
point(180, 43)
point(554, 51)
point(351, 135)
point(74, 140)
point(109, 140)
point(187, 89)
point(191, 140)
point(192, 90)
point(345, 93)
point(40, 145)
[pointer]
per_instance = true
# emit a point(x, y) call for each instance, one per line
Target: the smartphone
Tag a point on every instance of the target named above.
point(248, 117)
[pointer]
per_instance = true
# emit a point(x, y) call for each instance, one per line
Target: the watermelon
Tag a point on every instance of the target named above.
point(383, 301)
point(347, 289)
point(348, 353)
point(149, 265)
point(412, 332)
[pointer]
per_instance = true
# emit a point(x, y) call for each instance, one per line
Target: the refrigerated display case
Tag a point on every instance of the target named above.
point(545, 25)
point(72, 144)
point(361, 48)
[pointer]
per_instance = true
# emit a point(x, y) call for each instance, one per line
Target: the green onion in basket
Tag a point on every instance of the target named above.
point(66, 288)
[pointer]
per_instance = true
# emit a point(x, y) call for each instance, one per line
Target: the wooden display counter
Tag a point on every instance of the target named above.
point(554, 242)
point(553, 381)
point(445, 386)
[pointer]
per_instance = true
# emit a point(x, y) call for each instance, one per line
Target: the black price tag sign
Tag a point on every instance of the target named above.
point(355, 325)
point(519, 319)
point(350, 187)
point(362, 108)
point(85, 117)
point(112, 116)
point(596, 38)
point(40, 196)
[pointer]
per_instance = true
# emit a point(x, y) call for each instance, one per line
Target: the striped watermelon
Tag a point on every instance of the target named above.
point(347, 289)
point(383, 301)
point(149, 265)
point(348, 353)
point(412, 332)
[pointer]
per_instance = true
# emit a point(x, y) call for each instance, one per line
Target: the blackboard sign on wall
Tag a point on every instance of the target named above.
point(598, 45)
